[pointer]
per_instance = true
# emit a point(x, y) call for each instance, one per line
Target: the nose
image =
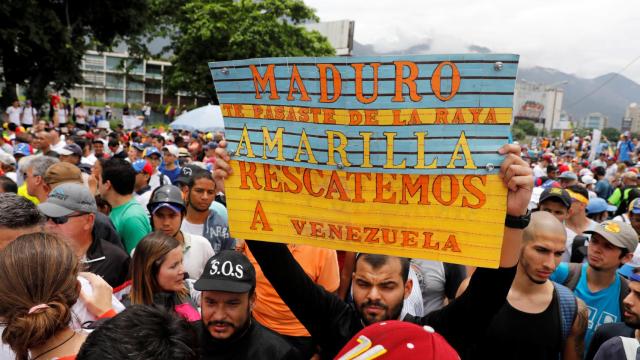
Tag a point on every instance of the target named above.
point(549, 262)
point(374, 294)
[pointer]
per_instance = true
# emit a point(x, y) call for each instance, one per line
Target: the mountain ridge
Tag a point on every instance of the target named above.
point(609, 94)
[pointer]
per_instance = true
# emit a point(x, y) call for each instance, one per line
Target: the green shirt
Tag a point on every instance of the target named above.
point(131, 222)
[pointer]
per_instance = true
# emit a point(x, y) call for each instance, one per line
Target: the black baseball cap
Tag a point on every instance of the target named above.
point(556, 193)
point(228, 271)
point(187, 172)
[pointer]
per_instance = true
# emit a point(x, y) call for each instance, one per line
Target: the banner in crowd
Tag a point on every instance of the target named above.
point(392, 155)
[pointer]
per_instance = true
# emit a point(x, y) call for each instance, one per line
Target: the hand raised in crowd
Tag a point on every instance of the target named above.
point(518, 178)
point(99, 301)
point(223, 169)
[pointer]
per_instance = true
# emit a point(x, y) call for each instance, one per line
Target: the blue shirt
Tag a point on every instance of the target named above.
point(603, 305)
point(172, 174)
point(625, 148)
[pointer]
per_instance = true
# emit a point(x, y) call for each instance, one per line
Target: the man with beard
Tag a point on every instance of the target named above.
point(602, 343)
point(200, 219)
point(532, 323)
point(380, 283)
point(596, 282)
point(227, 329)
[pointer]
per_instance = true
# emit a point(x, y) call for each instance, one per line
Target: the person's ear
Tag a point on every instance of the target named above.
point(408, 286)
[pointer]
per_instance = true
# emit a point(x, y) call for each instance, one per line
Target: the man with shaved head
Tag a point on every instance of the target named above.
point(540, 319)
point(43, 141)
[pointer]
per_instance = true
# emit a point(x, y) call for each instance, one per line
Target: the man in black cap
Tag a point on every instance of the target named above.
point(555, 201)
point(71, 153)
point(227, 329)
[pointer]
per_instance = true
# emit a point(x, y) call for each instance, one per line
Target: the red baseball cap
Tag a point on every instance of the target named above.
point(399, 340)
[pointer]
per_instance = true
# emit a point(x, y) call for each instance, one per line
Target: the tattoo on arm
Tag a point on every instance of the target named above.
point(580, 327)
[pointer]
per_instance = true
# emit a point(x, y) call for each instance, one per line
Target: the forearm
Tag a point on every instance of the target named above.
point(511, 245)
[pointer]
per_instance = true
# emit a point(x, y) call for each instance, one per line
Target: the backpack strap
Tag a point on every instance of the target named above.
point(630, 346)
point(568, 305)
point(575, 271)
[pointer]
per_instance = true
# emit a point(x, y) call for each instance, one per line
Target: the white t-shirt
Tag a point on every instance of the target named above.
point(60, 145)
point(192, 228)
point(197, 251)
point(413, 304)
point(611, 171)
point(539, 172)
point(143, 199)
point(570, 236)
point(89, 160)
point(154, 182)
point(81, 116)
point(28, 115)
point(12, 175)
point(14, 114)
point(62, 115)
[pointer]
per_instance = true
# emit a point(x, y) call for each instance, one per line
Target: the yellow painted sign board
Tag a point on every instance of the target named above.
point(391, 155)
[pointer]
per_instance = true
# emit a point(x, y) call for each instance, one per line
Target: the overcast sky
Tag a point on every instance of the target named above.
point(588, 38)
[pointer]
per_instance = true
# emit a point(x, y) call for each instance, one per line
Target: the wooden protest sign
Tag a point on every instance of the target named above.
point(391, 155)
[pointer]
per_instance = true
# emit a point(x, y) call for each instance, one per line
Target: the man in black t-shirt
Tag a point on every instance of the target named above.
point(531, 324)
point(227, 329)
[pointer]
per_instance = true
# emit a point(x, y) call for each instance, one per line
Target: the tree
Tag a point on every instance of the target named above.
point(527, 127)
point(205, 30)
point(611, 133)
point(518, 134)
point(42, 41)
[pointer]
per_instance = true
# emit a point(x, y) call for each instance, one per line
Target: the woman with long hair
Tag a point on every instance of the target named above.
point(158, 276)
point(38, 287)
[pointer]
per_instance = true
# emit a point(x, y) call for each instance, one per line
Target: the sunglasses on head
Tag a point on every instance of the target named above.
point(62, 219)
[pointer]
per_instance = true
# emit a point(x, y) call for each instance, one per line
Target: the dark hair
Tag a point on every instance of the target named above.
point(197, 175)
point(121, 175)
point(160, 138)
point(16, 212)
point(142, 332)
point(114, 143)
point(579, 190)
point(377, 261)
point(599, 171)
point(623, 253)
point(554, 200)
point(7, 185)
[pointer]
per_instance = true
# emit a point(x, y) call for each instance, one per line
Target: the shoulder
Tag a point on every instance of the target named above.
point(112, 250)
point(197, 240)
point(271, 340)
point(611, 349)
point(614, 329)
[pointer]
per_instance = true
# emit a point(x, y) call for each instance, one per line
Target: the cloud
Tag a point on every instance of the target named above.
point(574, 36)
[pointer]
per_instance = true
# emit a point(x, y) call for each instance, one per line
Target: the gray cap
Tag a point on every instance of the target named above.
point(617, 233)
point(71, 149)
point(568, 175)
point(68, 198)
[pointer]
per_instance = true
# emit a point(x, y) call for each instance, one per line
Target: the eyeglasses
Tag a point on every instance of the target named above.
point(62, 219)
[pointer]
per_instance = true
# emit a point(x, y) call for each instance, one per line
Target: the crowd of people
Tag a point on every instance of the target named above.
point(115, 244)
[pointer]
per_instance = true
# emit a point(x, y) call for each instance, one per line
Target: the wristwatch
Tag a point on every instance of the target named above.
point(518, 222)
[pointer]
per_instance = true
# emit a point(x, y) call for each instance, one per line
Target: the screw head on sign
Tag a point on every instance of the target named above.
point(225, 71)
point(498, 65)
point(490, 167)
point(340, 166)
